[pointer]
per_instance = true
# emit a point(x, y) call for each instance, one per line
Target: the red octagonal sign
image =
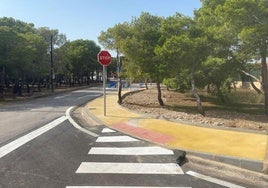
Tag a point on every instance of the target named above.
point(104, 58)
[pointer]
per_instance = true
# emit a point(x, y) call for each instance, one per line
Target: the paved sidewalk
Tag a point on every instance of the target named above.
point(243, 149)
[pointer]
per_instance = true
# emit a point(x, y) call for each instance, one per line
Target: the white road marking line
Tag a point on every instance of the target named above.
point(107, 130)
point(129, 168)
point(59, 97)
point(94, 95)
point(154, 150)
point(120, 187)
point(87, 91)
point(116, 139)
point(4, 150)
point(67, 113)
point(213, 180)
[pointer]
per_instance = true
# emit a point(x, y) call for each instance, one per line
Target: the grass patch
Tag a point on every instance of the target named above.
point(240, 101)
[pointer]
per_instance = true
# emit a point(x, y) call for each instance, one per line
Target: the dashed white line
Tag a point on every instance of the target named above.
point(116, 139)
point(213, 180)
point(154, 150)
point(59, 97)
point(129, 168)
point(4, 150)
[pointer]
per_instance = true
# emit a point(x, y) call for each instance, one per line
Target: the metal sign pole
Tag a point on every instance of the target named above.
point(104, 58)
point(104, 77)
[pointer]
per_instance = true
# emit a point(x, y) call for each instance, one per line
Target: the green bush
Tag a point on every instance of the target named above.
point(176, 84)
point(171, 83)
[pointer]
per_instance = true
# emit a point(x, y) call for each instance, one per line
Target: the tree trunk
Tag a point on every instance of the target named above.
point(252, 77)
point(119, 91)
point(208, 88)
point(97, 75)
point(264, 75)
point(119, 82)
point(146, 83)
point(255, 87)
point(265, 84)
point(159, 97)
point(195, 93)
point(2, 83)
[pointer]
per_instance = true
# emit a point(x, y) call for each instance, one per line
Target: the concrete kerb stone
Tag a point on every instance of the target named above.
point(252, 165)
point(89, 117)
point(229, 170)
point(265, 162)
point(248, 164)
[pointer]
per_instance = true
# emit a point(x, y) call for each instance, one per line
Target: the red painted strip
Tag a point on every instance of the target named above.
point(142, 133)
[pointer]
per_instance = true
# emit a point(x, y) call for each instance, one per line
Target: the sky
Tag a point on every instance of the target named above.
point(85, 19)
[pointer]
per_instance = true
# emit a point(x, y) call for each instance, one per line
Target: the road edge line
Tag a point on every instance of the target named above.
point(213, 180)
point(15, 144)
point(68, 115)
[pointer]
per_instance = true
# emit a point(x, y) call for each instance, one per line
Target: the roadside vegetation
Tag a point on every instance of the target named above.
point(223, 44)
point(243, 109)
point(34, 60)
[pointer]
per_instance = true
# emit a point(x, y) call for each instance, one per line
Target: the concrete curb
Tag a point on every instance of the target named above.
point(265, 162)
point(90, 118)
point(253, 165)
point(181, 154)
point(230, 170)
point(243, 163)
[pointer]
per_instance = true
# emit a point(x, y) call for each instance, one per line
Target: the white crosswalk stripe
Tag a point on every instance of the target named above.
point(153, 150)
point(107, 130)
point(129, 168)
point(116, 139)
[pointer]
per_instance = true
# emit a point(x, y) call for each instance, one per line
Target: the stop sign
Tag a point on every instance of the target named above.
point(104, 58)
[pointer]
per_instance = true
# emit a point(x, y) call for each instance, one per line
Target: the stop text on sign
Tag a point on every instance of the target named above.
point(104, 58)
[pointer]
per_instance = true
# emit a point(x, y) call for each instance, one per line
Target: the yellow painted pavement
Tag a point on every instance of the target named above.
point(188, 137)
point(114, 113)
point(208, 140)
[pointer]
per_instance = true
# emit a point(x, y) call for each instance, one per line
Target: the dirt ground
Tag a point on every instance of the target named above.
point(180, 107)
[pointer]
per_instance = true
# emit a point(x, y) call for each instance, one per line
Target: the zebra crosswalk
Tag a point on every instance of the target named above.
point(116, 154)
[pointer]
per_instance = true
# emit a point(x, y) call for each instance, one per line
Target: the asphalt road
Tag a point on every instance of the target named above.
point(54, 159)
point(24, 116)
point(53, 153)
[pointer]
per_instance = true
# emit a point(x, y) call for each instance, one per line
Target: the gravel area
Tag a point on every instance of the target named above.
point(146, 102)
